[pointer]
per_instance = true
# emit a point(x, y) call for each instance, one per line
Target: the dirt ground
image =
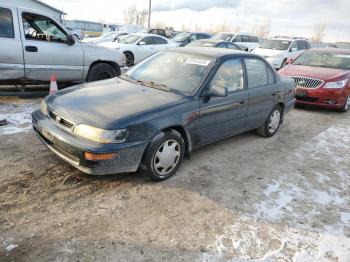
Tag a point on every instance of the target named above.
point(247, 198)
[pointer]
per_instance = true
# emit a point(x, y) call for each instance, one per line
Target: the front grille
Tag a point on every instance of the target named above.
point(307, 82)
point(60, 120)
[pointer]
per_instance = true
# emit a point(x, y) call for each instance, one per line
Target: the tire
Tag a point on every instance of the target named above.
point(101, 71)
point(271, 126)
point(346, 106)
point(130, 59)
point(158, 169)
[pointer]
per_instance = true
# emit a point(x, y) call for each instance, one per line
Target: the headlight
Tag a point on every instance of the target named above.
point(43, 107)
point(337, 84)
point(101, 135)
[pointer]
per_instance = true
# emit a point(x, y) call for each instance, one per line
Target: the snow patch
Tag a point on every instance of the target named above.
point(10, 247)
point(18, 116)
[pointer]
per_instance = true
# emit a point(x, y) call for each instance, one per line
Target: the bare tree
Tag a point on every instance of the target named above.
point(142, 17)
point(263, 30)
point(318, 33)
point(130, 14)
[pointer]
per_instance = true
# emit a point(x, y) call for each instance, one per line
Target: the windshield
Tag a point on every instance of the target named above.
point(223, 36)
point(174, 71)
point(275, 44)
point(129, 39)
point(109, 35)
point(202, 44)
point(324, 59)
point(181, 37)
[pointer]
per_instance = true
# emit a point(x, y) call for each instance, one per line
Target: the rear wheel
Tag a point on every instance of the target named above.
point(346, 106)
point(101, 71)
point(272, 123)
point(163, 155)
point(130, 60)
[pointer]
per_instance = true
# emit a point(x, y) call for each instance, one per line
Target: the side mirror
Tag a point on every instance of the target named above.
point(142, 43)
point(290, 60)
point(70, 40)
point(218, 91)
point(294, 49)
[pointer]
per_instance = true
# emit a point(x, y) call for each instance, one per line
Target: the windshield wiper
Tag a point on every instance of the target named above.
point(127, 77)
point(154, 85)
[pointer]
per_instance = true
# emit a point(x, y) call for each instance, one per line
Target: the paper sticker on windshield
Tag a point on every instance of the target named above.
point(196, 61)
point(343, 56)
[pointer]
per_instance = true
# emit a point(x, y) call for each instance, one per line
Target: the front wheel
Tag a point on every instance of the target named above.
point(346, 106)
point(163, 155)
point(272, 123)
point(101, 71)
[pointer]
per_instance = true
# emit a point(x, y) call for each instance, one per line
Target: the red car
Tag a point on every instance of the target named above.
point(322, 78)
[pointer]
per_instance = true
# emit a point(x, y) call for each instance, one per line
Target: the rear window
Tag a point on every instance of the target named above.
point(6, 23)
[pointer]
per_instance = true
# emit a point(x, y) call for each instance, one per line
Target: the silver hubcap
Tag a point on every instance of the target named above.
point(167, 157)
point(347, 105)
point(274, 121)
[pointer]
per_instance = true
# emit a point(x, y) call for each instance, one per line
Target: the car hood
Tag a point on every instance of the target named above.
point(96, 52)
point(325, 74)
point(267, 52)
point(103, 104)
point(112, 45)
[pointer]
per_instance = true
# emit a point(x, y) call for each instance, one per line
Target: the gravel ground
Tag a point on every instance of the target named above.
point(247, 198)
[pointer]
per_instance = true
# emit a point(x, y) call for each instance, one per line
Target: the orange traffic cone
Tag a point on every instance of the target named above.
point(53, 85)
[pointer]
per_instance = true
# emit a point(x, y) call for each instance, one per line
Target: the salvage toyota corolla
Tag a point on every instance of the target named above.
point(163, 108)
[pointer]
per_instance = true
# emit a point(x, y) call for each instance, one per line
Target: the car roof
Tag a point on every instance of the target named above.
point(211, 52)
point(331, 50)
point(213, 41)
point(238, 33)
point(146, 34)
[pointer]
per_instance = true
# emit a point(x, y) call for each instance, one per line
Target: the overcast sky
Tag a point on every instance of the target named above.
point(296, 18)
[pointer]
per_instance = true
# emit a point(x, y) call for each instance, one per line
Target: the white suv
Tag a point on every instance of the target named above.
point(277, 50)
point(249, 41)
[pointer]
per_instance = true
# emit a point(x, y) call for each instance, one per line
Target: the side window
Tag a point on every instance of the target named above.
point(245, 38)
point(204, 36)
point(308, 46)
point(256, 72)
point(159, 41)
point(253, 39)
point(148, 40)
point(237, 38)
point(42, 28)
point(193, 37)
point(222, 45)
point(6, 23)
point(230, 75)
point(233, 46)
point(301, 45)
point(271, 75)
point(294, 46)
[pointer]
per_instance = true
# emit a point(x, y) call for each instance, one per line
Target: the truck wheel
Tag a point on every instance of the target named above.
point(101, 71)
point(272, 123)
point(129, 57)
point(163, 155)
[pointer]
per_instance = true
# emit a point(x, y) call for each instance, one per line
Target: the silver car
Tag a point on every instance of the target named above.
point(35, 46)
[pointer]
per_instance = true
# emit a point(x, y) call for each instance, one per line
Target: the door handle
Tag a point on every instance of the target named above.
point(242, 102)
point(30, 48)
point(238, 103)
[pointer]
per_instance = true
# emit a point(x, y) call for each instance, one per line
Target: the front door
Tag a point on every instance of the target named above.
point(11, 55)
point(262, 91)
point(46, 50)
point(224, 116)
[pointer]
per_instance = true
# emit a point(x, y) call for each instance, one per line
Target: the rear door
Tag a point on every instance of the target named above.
point(160, 44)
point(46, 50)
point(224, 116)
point(11, 53)
point(262, 91)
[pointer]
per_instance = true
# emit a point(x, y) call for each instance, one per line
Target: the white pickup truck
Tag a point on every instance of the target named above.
point(34, 46)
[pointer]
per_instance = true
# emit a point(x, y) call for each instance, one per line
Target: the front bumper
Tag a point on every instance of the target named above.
point(321, 97)
point(71, 148)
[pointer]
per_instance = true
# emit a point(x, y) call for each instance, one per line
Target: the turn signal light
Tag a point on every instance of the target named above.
point(99, 157)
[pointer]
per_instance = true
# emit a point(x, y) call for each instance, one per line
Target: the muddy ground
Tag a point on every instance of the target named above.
point(247, 198)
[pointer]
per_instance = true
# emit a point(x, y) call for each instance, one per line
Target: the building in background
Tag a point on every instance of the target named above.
point(38, 6)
